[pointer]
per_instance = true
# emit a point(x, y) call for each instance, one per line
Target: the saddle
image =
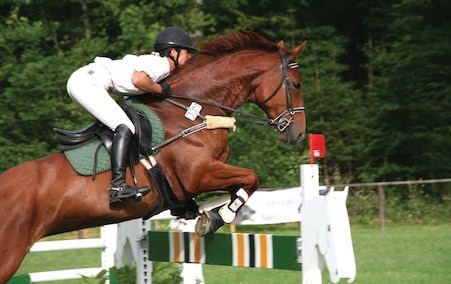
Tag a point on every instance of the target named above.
point(72, 139)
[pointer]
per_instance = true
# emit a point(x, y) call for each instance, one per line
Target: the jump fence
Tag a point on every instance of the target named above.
point(326, 241)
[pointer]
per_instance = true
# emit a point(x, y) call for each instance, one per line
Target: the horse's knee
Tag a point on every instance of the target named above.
point(253, 183)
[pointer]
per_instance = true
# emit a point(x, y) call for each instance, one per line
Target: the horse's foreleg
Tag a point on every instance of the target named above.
point(241, 184)
point(18, 222)
point(15, 239)
point(228, 211)
point(16, 253)
point(211, 220)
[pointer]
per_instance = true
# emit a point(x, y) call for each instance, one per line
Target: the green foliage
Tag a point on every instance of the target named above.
point(332, 106)
point(162, 273)
point(100, 278)
point(124, 274)
point(375, 78)
point(404, 204)
point(166, 273)
point(410, 139)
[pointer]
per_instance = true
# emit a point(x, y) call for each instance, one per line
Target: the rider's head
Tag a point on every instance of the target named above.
point(174, 43)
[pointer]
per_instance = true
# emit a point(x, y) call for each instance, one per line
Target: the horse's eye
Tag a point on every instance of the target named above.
point(297, 85)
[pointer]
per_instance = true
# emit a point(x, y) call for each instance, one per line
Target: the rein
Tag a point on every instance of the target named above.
point(256, 118)
point(280, 122)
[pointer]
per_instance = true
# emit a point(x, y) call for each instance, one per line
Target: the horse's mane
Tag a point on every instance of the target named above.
point(232, 42)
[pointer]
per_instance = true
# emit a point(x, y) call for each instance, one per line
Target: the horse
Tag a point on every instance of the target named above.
point(46, 196)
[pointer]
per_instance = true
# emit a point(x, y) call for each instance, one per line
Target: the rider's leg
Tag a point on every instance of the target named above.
point(89, 86)
point(120, 151)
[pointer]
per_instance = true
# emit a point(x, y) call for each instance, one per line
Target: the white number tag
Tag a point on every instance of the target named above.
point(193, 111)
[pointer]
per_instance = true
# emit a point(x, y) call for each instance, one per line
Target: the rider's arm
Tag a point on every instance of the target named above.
point(143, 82)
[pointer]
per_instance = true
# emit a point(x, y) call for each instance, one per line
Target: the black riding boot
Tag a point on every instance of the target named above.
point(120, 151)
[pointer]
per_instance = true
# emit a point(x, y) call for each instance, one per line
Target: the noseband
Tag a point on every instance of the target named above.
point(286, 118)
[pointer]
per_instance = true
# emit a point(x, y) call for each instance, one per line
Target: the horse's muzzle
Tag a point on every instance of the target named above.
point(291, 138)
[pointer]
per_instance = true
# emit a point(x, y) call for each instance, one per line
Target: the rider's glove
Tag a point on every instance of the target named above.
point(165, 90)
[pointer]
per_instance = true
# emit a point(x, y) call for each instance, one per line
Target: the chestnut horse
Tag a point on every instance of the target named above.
point(46, 196)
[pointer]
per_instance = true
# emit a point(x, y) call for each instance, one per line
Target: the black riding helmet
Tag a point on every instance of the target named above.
point(173, 37)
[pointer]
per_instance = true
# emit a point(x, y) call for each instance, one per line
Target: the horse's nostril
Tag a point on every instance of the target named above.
point(301, 136)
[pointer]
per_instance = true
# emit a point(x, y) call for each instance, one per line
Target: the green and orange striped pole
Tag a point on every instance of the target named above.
point(241, 250)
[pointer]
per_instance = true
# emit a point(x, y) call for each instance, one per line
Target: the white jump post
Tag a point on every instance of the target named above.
point(325, 231)
point(132, 246)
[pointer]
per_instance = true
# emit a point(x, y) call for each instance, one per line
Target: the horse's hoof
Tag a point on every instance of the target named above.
point(203, 225)
point(208, 223)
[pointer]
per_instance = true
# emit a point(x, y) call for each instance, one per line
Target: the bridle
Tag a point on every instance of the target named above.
point(281, 122)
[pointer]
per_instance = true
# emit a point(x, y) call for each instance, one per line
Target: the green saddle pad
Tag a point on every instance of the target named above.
point(82, 159)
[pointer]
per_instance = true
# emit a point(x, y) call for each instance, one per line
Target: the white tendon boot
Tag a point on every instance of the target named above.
point(228, 211)
point(219, 211)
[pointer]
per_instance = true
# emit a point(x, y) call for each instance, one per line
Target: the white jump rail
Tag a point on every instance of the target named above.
point(106, 242)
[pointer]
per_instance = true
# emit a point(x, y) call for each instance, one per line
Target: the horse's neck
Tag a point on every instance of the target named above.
point(226, 81)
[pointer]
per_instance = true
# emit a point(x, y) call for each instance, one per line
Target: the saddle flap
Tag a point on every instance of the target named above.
point(90, 129)
point(78, 136)
point(143, 130)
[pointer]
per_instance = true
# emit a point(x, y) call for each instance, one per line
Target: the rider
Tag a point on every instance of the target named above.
point(90, 85)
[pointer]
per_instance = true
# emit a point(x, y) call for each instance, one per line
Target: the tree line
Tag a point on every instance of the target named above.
point(376, 78)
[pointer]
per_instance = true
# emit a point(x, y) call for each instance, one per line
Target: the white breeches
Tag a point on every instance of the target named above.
point(88, 86)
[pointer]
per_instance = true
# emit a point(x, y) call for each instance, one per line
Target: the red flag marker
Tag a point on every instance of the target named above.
point(317, 144)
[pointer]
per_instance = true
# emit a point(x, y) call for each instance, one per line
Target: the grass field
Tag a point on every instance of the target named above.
point(413, 254)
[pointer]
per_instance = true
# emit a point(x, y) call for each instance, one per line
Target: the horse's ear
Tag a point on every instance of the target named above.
point(281, 44)
point(298, 50)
